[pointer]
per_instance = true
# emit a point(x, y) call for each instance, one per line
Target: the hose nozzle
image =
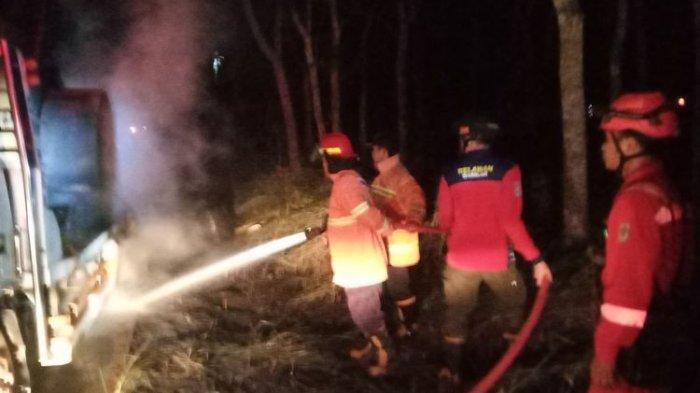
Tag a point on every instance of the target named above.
point(312, 232)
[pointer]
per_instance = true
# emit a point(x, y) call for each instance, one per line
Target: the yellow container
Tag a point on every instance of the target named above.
point(403, 248)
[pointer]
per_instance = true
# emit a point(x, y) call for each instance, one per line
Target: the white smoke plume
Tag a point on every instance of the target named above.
point(154, 72)
point(155, 88)
point(155, 82)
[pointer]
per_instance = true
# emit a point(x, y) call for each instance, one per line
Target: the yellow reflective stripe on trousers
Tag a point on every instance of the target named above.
point(359, 209)
point(454, 340)
point(623, 316)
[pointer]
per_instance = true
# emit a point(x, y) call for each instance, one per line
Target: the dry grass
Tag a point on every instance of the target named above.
point(281, 326)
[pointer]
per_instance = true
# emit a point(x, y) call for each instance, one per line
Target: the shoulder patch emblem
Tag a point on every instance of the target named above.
point(663, 216)
point(518, 190)
point(623, 232)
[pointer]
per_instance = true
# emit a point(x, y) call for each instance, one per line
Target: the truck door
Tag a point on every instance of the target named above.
point(7, 249)
point(8, 156)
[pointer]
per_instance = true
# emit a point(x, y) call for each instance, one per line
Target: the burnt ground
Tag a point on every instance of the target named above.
point(281, 326)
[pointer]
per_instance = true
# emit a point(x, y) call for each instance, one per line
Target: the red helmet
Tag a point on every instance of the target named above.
point(336, 144)
point(646, 112)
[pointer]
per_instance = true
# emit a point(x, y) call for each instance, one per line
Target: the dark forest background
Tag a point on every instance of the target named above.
point(497, 58)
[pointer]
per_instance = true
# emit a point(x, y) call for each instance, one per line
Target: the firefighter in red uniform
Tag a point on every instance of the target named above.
point(479, 206)
point(358, 254)
point(399, 197)
point(642, 250)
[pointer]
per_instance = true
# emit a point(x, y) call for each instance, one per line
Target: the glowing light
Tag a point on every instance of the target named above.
point(133, 129)
point(681, 101)
point(215, 270)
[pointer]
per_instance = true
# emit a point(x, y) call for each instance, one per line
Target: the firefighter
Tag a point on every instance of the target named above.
point(400, 198)
point(358, 254)
point(644, 232)
point(479, 205)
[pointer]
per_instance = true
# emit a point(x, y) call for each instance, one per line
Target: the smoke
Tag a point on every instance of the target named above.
point(151, 56)
point(156, 86)
point(155, 80)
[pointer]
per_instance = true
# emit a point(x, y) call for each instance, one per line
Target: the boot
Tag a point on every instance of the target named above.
point(361, 351)
point(380, 361)
point(410, 315)
point(407, 311)
point(372, 354)
point(448, 382)
point(449, 375)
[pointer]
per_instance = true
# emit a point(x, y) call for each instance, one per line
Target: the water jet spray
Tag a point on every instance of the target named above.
point(209, 272)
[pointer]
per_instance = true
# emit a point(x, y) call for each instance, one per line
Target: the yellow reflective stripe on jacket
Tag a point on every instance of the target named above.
point(623, 316)
point(341, 221)
point(384, 192)
point(359, 209)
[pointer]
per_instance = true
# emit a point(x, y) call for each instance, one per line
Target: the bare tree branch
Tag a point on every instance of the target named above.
point(617, 48)
point(401, 87)
point(335, 66)
point(275, 58)
point(277, 33)
point(312, 69)
point(265, 47)
point(362, 110)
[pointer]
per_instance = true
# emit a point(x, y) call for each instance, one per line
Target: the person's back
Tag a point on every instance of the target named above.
point(358, 256)
point(357, 251)
point(480, 203)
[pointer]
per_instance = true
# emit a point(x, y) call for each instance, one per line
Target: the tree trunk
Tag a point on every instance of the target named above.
point(309, 124)
point(575, 187)
point(401, 88)
point(335, 65)
point(618, 48)
point(474, 58)
point(696, 140)
point(288, 115)
point(362, 110)
point(641, 45)
point(312, 69)
point(273, 55)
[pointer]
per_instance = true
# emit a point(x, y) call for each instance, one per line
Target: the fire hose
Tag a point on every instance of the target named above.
point(518, 343)
point(509, 356)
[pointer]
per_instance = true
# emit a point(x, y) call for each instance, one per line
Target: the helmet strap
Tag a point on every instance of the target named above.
point(623, 157)
point(463, 142)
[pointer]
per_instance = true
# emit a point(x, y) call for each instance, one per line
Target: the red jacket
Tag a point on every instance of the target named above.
point(397, 193)
point(479, 205)
point(642, 255)
point(358, 256)
point(399, 197)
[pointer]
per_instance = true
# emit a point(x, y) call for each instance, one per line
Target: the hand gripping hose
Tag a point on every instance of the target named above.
point(424, 229)
point(506, 360)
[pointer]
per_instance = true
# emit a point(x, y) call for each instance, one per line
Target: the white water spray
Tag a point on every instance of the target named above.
point(212, 271)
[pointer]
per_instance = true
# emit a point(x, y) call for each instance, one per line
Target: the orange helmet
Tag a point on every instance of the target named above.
point(647, 113)
point(336, 144)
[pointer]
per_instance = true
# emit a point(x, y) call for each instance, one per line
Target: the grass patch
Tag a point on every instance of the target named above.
point(281, 325)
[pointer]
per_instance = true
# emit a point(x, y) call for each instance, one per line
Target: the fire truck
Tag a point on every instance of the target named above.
point(58, 248)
